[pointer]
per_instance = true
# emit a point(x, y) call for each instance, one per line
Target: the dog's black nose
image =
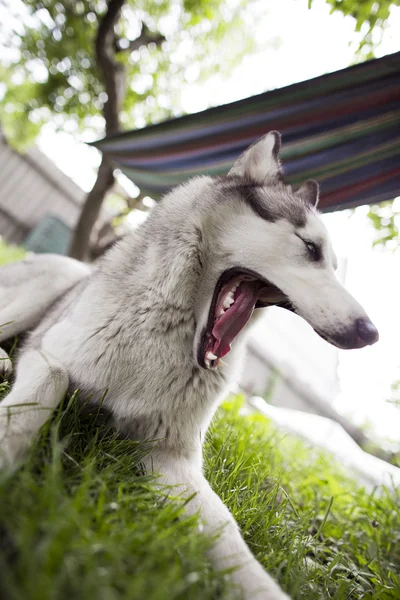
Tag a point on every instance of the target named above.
point(366, 331)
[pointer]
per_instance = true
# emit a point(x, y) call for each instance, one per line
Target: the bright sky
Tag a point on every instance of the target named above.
point(306, 44)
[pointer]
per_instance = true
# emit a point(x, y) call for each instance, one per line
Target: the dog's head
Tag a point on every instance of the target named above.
point(266, 245)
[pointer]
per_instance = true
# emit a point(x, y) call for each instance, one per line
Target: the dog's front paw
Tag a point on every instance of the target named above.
point(5, 364)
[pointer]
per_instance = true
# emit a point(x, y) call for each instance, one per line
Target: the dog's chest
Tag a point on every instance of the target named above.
point(148, 377)
point(165, 403)
point(175, 409)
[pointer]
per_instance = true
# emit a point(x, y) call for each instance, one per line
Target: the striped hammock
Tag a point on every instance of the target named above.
point(342, 129)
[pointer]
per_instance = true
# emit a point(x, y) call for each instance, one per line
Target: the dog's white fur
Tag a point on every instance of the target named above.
point(134, 325)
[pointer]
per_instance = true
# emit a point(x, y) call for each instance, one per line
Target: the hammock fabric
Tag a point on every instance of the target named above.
point(342, 129)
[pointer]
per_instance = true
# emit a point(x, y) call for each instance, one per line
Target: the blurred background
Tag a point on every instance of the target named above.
point(75, 71)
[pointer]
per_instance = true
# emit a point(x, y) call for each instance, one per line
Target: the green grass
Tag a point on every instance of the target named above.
point(10, 253)
point(79, 520)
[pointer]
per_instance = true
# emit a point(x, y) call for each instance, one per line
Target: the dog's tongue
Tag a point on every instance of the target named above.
point(235, 318)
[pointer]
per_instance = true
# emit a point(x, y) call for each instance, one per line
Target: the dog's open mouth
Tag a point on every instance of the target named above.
point(237, 293)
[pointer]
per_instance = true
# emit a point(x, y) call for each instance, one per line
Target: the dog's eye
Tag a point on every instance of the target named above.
point(313, 250)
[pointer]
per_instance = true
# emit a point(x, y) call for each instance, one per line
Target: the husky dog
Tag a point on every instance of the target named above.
point(154, 321)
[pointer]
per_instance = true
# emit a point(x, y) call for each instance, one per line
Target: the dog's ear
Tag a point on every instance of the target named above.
point(309, 192)
point(260, 162)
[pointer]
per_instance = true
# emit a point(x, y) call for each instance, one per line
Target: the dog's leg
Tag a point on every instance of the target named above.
point(40, 385)
point(5, 364)
point(229, 551)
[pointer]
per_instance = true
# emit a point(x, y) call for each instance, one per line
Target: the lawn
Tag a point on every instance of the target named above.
point(10, 253)
point(80, 521)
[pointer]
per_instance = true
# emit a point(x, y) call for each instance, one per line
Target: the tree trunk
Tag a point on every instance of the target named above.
point(113, 74)
point(80, 243)
point(114, 84)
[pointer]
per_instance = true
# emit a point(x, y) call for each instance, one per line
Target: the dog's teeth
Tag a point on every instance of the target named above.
point(210, 356)
point(228, 302)
point(221, 312)
point(221, 363)
point(207, 363)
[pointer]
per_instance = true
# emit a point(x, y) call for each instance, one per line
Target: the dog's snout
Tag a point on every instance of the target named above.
point(362, 332)
point(367, 333)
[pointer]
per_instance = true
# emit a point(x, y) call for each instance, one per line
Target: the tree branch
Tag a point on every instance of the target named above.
point(145, 38)
point(112, 71)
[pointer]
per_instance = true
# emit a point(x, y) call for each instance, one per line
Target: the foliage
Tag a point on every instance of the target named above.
point(370, 17)
point(385, 218)
point(79, 520)
point(50, 73)
point(395, 393)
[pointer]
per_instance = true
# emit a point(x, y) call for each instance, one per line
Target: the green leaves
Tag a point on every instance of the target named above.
point(52, 72)
point(370, 17)
point(385, 218)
